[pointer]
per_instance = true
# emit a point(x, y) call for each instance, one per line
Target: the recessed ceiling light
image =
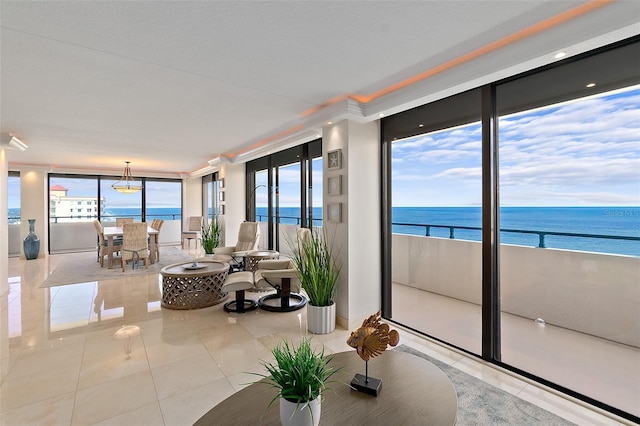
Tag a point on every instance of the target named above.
point(381, 114)
point(591, 85)
point(420, 125)
point(560, 55)
point(329, 122)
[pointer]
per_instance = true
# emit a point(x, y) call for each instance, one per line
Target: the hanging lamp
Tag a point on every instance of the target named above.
point(126, 184)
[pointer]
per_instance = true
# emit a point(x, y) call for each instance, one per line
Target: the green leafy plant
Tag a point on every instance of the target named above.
point(210, 234)
point(299, 374)
point(318, 269)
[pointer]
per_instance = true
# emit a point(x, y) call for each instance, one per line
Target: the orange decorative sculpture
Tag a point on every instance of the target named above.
point(372, 338)
point(369, 341)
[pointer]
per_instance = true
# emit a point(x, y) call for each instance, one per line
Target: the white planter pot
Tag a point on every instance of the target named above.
point(303, 414)
point(321, 319)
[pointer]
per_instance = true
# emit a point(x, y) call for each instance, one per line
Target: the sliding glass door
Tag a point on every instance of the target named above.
point(570, 218)
point(280, 193)
point(517, 236)
point(436, 219)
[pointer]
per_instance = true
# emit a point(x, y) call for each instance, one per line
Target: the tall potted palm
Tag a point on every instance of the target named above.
point(210, 234)
point(318, 271)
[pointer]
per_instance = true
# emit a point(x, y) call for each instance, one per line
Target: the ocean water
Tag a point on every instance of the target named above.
point(607, 221)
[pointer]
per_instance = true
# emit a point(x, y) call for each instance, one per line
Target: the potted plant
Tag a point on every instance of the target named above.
point(210, 234)
point(318, 271)
point(300, 375)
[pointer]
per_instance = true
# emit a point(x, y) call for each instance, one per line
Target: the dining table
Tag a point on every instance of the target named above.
point(111, 232)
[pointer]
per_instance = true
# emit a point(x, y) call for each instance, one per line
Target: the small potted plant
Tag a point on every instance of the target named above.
point(300, 375)
point(318, 271)
point(210, 234)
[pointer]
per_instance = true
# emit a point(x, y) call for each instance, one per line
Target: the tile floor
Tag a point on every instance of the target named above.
point(60, 364)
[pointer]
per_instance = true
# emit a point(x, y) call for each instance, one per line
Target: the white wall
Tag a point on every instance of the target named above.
point(357, 236)
point(234, 188)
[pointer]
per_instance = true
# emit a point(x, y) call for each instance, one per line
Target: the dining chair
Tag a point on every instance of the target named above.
point(103, 246)
point(156, 224)
point(194, 227)
point(122, 220)
point(135, 244)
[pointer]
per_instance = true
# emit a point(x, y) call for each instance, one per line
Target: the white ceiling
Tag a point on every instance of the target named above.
point(171, 85)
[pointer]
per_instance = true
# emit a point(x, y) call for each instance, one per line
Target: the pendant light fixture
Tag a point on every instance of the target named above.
point(126, 184)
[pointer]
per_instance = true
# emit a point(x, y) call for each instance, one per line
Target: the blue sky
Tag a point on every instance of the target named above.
point(583, 153)
point(575, 154)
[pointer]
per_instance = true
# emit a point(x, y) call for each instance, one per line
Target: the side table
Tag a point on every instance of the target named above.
point(253, 257)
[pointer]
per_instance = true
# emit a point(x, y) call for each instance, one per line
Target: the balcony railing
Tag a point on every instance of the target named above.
point(541, 235)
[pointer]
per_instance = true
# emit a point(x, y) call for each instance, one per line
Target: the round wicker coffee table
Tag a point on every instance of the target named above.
point(193, 285)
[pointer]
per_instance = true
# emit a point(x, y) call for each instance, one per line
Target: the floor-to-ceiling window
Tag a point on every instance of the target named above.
point(75, 201)
point(163, 200)
point(13, 213)
point(73, 206)
point(212, 195)
point(563, 177)
point(284, 192)
point(569, 155)
point(436, 219)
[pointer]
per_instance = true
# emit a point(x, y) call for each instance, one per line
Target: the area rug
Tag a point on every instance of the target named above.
point(480, 403)
point(83, 267)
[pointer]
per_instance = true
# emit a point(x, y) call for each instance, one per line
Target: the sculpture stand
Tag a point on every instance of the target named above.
point(366, 384)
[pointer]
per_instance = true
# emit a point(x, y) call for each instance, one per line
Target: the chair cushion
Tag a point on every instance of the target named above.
point(275, 264)
point(238, 281)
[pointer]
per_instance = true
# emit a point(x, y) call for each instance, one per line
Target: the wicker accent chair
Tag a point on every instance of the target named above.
point(282, 275)
point(103, 246)
point(194, 227)
point(156, 224)
point(248, 238)
point(122, 220)
point(135, 245)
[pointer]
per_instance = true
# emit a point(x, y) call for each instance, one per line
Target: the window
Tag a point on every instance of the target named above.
point(436, 219)
point(13, 213)
point(284, 192)
point(569, 161)
point(562, 282)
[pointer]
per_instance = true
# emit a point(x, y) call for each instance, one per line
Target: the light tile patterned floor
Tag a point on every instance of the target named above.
point(60, 364)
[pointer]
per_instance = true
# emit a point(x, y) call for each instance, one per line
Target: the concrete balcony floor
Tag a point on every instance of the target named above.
point(61, 365)
point(601, 369)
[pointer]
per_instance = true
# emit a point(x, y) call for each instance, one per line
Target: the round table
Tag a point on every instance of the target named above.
point(413, 392)
point(253, 257)
point(189, 286)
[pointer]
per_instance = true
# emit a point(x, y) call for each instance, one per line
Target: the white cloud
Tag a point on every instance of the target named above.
point(581, 152)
